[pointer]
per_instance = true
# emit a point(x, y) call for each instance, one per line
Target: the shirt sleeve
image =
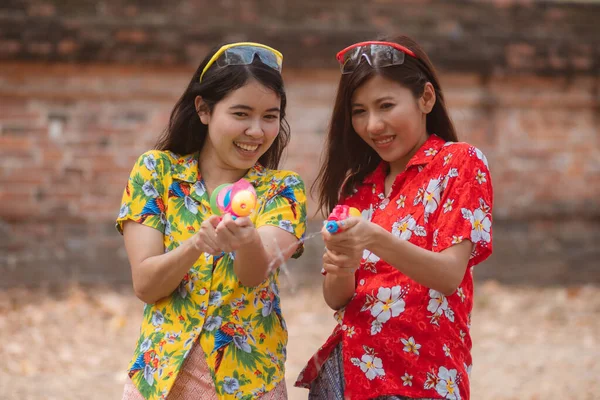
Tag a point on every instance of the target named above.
point(466, 212)
point(144, 197)
point(286, 208)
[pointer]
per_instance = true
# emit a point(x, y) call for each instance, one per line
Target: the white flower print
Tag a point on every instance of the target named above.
point(158, 319)
point(212, 323)
point(452, 173)
point(376, 327)
point(389, 303)
point(480, 177)
point(190, 204)
point(215, 298)
point(431, 152)
point(369, 364)
point(410, 346)
point(482, 157)
point(456, 239)
point(291, 180)
point(230, 385)
point(401, 202)
point(199, 188)
point(447, 384)
point(435, 237)
point(145, 346)
point(438, 306)
point(480, 223)
point(149, 374)
point(405, 228)
point(448, 205)
point(124, 210)
point(407, 379)
point(149, 189)
point(286, 225)
point(431, 197)
point(447, 350)
point(150, 162)
point(350, 331)
point(462, 335)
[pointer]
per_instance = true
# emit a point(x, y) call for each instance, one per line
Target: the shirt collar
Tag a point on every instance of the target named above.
point(423, 156)
point(185, 168)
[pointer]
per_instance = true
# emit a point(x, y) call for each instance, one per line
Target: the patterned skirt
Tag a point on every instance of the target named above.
point(195, 382)
point(330, 385)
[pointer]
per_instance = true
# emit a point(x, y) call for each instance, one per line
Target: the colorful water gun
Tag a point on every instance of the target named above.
point(340, 213)
point(237, 199)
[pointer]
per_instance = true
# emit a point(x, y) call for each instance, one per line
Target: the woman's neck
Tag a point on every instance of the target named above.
point(214, 172)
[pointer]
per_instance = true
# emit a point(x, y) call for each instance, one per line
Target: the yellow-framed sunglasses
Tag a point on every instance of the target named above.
point(243, 53)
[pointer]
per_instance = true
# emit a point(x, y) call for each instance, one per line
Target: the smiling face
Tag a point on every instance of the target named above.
point(242, 126)
point(388, 117)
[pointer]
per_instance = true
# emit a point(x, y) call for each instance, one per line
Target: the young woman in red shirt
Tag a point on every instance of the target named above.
point(400, 276)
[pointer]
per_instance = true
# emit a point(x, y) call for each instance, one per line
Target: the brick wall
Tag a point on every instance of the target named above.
point(84, 90)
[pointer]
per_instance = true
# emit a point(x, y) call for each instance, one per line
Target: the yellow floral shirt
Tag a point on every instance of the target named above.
point(240, 329)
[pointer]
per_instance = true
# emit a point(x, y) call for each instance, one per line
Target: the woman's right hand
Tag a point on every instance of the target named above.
point(206, 239)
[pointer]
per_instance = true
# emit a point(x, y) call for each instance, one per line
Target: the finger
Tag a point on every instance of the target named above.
point(209, 240)
point(349, 223)
point(243, 222)
point(336, 270)
point(225, 237)
point(213, 220)
point(228, 223)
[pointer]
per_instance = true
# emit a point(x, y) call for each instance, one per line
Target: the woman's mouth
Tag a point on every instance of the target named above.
point(247, 147)
point(383, 141)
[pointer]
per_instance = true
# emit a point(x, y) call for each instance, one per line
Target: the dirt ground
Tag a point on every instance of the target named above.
point(529, 343)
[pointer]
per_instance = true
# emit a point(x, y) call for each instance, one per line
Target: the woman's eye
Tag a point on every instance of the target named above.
point(387, 105)
point(357, 111)
point(240, 114)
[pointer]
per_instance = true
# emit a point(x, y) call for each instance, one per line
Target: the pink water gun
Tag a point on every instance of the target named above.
point(237, 199)
point(339, 213)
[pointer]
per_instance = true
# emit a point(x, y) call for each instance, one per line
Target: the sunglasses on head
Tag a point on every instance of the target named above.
point(377, 54)
point(243, 53)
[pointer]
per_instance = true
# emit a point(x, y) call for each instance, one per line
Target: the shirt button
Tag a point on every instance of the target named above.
point(344, 327)
point(361, 282)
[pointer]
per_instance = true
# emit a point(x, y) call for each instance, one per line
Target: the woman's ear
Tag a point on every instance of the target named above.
point(202, 110)
point(427, 100)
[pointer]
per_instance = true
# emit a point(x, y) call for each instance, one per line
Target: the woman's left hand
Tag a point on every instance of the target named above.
point(356, 235)
point(233, 234)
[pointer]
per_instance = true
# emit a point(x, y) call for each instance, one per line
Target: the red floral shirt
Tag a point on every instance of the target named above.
point(400, 337)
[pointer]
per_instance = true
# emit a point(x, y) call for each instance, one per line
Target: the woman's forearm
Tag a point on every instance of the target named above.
point(438, 271)
point(338, 290)
point(157, 277)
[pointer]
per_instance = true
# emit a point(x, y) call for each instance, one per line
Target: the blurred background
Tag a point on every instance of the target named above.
point(87, 86)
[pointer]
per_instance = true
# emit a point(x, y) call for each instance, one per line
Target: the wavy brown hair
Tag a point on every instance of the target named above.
point(348, 159)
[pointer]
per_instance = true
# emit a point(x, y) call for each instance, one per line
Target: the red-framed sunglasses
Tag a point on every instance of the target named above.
point(377, 54)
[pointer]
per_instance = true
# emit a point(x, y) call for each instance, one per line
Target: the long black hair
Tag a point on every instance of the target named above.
point(347, 157)
point(186, 134)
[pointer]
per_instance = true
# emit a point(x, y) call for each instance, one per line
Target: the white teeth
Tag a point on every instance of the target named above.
point(384, 141)
point(247, 147)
